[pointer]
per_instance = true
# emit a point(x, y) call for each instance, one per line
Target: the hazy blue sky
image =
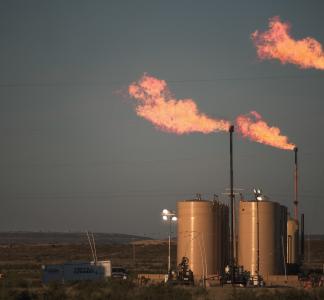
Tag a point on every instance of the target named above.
point(75, 156)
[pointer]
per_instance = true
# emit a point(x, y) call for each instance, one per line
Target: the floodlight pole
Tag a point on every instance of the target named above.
point(169, 216)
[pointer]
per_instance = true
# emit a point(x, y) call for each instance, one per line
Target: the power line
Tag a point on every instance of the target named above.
point(267, 77)
point(111, 83)
point(134, 193)
point(57, 84)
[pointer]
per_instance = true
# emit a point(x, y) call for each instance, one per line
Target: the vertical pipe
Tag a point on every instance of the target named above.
point(296, 186)
point(234, 233)
point(205, 259)
point(169, 256)
point(258, 240)
point(284, 256)
point(231, 130)
point(302, 237)
point(289, 252)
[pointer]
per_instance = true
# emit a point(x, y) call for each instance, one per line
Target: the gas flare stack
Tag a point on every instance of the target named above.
point(295, 231)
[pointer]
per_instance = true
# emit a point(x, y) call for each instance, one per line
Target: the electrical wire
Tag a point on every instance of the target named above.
point(110, 83)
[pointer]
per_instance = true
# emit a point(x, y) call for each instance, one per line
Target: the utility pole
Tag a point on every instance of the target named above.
point(134, 254)
point(309, 250)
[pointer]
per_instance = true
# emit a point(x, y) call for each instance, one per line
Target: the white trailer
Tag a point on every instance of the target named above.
point(76, 271)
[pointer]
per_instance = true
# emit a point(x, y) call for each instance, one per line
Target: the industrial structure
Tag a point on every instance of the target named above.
point(262, 237)
point(295, 234)
point(203, 236)
point(258, 237)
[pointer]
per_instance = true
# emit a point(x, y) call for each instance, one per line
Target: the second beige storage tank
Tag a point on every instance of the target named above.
point(271, 244)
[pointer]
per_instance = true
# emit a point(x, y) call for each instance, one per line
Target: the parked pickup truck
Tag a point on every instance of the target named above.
point(119, 272)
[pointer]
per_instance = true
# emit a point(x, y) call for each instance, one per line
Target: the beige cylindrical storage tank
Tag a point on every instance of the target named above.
point(271, 237)
point(200, 235)
point(292, 241)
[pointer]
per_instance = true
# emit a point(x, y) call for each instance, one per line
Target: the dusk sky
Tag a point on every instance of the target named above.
point(75, 156)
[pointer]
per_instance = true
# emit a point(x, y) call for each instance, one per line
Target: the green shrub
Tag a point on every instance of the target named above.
point(162, 292)
point(22, 283)
point(286, 294)
point(24, 295)
point(246, 294)
point(55, 291)
point(319, 294)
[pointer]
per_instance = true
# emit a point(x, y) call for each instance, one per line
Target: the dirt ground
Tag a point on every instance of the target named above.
point(21, 263)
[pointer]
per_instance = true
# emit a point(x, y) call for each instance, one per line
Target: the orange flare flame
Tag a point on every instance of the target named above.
point(253, 127)
point(277, 43)
point(156, 104)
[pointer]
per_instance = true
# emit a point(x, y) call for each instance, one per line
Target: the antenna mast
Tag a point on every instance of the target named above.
point(94, 248)
point(92, 251)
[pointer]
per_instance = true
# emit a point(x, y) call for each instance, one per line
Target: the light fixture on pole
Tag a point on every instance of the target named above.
point(170, 216)
point(258, 197)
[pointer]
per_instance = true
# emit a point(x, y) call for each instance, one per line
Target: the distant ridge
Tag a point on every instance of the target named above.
point(25, 237)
